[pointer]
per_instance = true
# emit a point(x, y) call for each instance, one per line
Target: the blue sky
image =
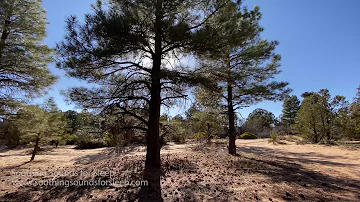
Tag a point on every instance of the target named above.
point(319, 45)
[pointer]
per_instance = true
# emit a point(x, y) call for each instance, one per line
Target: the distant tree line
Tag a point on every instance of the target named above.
point(322, 118)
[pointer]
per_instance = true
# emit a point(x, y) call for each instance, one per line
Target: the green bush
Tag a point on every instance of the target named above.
point(91, 138)
point(199, 135)
point(70, 139)
point(178, 138)
point(248, 135)
point(274, 138)
point(10, 134)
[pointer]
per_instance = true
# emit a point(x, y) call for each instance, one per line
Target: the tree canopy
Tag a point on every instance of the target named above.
point(23, 57)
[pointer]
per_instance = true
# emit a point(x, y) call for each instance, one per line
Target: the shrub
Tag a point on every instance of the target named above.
point(178, 138)
point(248, 135)
point(274, 138)
point(90, 137)
point(199, 135)
point(70, 139)
point(214, 136)
point(10, 134)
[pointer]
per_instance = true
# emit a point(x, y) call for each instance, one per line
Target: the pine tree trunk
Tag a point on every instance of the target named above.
point(36, 147)
point(328, 131)
point(316, 136)
point(5, 33)
point(232, 136)
point(152, 164)
point(208, 132)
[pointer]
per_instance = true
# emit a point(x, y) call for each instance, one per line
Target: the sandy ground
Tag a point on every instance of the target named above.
point(332, 160)
point(191, 172)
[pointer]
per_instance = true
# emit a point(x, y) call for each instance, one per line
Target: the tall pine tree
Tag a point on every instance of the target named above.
point(124, 47)
point(247, 65)
point(290, 108)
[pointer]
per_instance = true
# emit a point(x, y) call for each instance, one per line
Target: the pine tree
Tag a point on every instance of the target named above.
point(56, 127)
point(290, 108)
point(36, 123)
point(259, 121)
point(246, 66)
point(23, 57)
point(319, 115)
point(209, 119)
point(124, 47)
point(354, 122)
point(73, 121)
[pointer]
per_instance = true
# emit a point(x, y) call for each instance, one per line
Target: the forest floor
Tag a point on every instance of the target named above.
point(261, 171)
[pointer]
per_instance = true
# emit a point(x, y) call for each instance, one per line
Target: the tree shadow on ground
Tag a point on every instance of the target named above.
point(125, 169)
point(4, 149)
point(86, 184)
point(22, 164)
point(115, 152)
point(107, 153)
point(282, 169)
point(198, 192)
point(27, 151)
point(17, 166)
point(206, 147)
point(296, 157)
